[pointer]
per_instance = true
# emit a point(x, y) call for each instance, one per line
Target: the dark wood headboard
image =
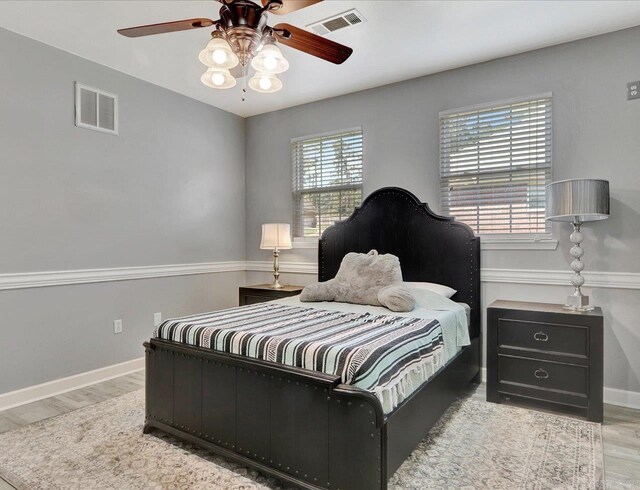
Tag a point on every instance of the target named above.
point(431, 248)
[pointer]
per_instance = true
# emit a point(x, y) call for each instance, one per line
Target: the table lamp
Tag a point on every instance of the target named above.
point(577, 201)
point(276, 237)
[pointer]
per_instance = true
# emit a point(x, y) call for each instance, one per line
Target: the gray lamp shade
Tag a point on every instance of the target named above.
point(578, 200)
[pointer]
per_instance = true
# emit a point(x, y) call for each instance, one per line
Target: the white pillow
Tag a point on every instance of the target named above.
point(445, 291)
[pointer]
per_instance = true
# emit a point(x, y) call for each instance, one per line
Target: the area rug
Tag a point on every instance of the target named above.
point(475, 445)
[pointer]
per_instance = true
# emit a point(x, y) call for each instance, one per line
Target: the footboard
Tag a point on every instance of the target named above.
point(300, 426)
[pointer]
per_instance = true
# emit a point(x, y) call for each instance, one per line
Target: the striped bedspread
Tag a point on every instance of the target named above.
point(384, 354)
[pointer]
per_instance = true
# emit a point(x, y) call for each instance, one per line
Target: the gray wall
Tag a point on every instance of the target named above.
point(54, 332)
point(596, 134)
point(169, 189)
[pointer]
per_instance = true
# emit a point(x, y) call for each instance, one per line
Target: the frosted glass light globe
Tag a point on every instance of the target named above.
point(220, 56)
point(217, 79)
point(265, 83)
point(270, 62)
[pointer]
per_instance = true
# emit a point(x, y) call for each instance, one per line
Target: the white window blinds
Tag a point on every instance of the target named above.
point(494, 164)
point(327, 180)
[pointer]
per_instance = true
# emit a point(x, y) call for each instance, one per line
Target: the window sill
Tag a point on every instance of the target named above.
point(545, 242)
point(309, 243)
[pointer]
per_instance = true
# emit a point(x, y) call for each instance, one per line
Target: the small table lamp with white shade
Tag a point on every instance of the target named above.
point(276, 237)
point(577, 201)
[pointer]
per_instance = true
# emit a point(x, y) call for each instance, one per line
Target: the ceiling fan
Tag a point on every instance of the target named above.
point(241, 37)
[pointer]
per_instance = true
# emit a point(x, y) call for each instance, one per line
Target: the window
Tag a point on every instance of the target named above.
point(327, 180)
point(495, 161)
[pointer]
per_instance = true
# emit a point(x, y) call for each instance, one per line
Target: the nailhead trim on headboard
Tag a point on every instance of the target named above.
point(452, 236)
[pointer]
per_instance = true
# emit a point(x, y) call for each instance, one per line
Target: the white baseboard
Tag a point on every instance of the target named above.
point(63, 385)
point(622, 398)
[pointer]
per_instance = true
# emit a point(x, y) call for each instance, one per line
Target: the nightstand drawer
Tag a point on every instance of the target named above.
point(568, 340)
point(261, 293)
point(565, 378)
point(249, 299)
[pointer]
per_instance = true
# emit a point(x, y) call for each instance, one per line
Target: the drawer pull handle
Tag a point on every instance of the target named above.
point(541, 336)
point(541, 374)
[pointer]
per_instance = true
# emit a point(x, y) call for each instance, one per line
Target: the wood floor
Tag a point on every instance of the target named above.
point(620, 430)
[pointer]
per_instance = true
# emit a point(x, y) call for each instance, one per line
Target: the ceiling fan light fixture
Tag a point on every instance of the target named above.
point(242, 39)
point(270, 60)
point(266, 83)
point(218, 53)
point(217, 78)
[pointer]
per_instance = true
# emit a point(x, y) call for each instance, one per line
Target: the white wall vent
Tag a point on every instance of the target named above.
point(96, 109)
point(337, 22)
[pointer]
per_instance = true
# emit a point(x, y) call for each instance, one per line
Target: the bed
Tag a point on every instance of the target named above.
point(309, 428)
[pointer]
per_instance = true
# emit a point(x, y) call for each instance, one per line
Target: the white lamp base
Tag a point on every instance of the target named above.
point(577, 301)
point(276, 270)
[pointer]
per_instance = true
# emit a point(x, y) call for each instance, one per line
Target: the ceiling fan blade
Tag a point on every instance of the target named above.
point(291, 5)
point(178, 25)
point(312, 44)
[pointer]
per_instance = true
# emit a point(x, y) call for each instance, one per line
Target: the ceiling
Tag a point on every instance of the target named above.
point(399, 41)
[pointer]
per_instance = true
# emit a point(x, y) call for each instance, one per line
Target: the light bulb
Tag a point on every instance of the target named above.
point(220, 56)
point(217, 79)
point(270, 59)
point(270, 62)
point(265, 83)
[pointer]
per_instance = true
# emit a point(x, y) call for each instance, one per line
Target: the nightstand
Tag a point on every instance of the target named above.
point(250, 295)
point(543, 355)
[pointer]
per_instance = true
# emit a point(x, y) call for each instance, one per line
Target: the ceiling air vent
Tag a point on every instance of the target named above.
point(337, 22)
point(96, 109)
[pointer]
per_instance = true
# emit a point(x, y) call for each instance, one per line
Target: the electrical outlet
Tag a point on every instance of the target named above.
point(157, 319)
point(117, 326)
point(633, 90)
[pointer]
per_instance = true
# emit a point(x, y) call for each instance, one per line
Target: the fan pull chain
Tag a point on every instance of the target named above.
point(244, 82)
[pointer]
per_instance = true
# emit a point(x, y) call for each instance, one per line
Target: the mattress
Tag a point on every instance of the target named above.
point(388, 354)
point(454, 317)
